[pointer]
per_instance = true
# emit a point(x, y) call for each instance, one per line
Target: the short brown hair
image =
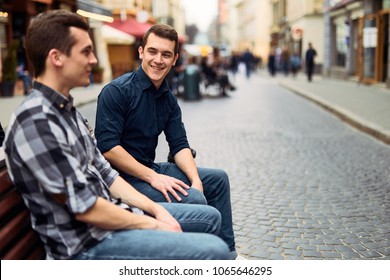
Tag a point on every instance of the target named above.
point(164, 31)
point(49, 30)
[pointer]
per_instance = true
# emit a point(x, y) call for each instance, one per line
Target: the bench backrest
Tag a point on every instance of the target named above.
point(17, 238)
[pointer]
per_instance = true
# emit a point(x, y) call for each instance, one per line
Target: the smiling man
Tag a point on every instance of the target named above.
point(134, 110)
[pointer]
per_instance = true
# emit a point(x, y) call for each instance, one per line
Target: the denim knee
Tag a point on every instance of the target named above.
point(194, 197)
point(216, 248)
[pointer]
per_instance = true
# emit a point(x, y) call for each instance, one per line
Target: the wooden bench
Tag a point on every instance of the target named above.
point(17, 238)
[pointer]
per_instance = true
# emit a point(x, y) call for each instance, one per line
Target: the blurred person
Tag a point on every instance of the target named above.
point(78, 204)
point(234, 63)
point(295, 63)
point(2, 135)
point(249, 60)
point(309, 61)
point(272, 62)
point(176, 75)
point(285, 60)
point(24, 75)
point(214, 72)
point(132, 112)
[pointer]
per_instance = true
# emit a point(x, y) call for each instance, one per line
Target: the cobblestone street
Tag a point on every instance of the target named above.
point(304, 184)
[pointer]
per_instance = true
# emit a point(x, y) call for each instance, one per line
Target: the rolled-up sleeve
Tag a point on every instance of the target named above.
point(175, 131)
point(111, 109)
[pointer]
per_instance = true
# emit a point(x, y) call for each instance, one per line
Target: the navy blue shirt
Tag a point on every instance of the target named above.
point(132, 113)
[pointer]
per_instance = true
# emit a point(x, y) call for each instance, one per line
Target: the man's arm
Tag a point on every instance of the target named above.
point(186, 163)
point(126, 163)
point(106, 215)
point(109, 216)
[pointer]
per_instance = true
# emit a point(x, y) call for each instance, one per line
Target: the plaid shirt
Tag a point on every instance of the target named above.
point(53, 161)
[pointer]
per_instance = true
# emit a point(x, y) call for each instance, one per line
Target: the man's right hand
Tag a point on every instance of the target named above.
point(169, 185)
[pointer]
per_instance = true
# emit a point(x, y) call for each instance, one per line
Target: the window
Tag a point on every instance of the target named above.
point(342, 42)
point(386, 4)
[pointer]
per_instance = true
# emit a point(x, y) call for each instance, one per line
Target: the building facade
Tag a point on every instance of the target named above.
point(295, 24)
point(15, 16)
point(251, 21)
point(357, 40)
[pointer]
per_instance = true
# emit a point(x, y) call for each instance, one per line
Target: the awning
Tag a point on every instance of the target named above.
point(47, 2)
point(135, 28)
point(91, 9)
point(131, 26)
point(336, 4)
point(114, 36)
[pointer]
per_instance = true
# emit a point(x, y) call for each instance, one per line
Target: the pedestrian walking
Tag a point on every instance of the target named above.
point(248, 60)
point(272, 63)
point(295, 63)
point(78, 204)
point(309, 61)
point(285, 60)
point(234, 62)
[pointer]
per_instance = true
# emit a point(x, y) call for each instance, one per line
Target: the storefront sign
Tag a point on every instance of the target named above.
point(296, 33)
point(370, 35)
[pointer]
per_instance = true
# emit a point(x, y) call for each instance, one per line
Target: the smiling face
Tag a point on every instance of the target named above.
point(158, 56)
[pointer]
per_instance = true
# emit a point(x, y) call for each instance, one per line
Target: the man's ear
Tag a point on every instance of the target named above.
point(176, 57)
point(140, 52)
point(55, 57)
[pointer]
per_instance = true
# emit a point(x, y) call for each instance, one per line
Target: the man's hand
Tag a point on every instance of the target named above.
point(169, 185)
point(166, 221)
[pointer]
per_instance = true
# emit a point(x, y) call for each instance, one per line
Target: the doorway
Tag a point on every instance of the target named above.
point(373, 47)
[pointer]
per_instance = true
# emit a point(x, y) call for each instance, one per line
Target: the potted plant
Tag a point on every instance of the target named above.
point(97, 73)
point(9, 69)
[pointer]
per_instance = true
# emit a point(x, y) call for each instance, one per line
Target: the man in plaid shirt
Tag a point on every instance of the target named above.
point(79, 205)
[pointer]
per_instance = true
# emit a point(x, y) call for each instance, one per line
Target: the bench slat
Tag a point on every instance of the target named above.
point(21, 250)
point(13, 229)
point(9, 203)
point(18, 241)
point(5, 182)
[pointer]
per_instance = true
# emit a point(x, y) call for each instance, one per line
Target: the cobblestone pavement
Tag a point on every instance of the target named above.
point(304, 184)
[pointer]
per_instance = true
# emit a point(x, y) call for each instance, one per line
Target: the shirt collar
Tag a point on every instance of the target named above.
point(57, 98)
point(146, 83)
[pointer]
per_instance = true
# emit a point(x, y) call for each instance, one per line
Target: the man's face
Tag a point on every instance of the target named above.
point(158, 57)
point(77, 66)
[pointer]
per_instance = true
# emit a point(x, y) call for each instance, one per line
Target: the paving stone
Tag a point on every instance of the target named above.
point(304, 185)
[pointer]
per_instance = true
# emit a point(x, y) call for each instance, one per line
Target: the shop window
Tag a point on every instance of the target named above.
point(342, 42)
point(386, 4)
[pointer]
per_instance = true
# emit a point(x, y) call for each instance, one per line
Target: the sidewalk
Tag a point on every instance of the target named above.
point(81, 96)
point(366, 107)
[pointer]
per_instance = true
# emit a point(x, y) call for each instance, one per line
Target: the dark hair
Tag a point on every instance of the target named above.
point(50, 30)
point(163, 31)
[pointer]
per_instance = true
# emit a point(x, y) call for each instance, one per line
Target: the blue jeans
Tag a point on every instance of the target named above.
point(200, 224)
point(216, 193)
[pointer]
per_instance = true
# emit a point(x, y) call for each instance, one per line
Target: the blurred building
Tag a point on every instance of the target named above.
point(134, 18)
point(295, 24)
point(357, 40)
point(15, 16)
point(245, 24)
point(117, 26)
